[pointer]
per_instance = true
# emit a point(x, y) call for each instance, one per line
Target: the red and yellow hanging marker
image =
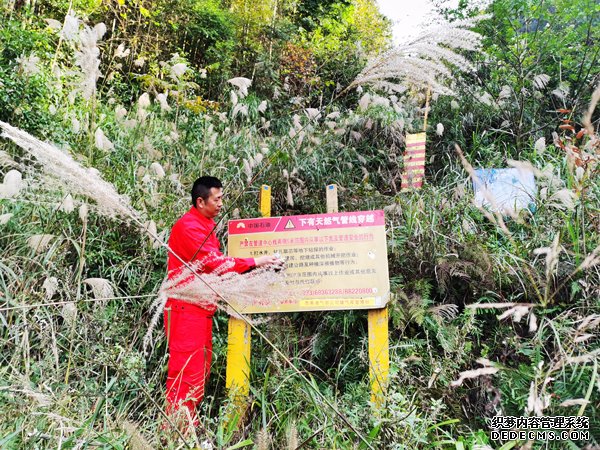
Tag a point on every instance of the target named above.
point(414, 154)
point(414, 161)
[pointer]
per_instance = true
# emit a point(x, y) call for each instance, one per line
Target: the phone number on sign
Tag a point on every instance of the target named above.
point(345, 291)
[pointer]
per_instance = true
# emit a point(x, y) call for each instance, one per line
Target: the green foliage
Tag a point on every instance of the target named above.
point(208, 35)
point(24, 95)
point(509, 103)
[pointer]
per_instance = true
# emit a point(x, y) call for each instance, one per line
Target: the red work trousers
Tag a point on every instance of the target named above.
point(189, 336)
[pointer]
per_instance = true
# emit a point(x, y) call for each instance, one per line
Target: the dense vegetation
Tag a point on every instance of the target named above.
point(152, 94)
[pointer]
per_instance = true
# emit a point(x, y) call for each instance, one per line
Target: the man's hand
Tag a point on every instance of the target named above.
point(268, 260)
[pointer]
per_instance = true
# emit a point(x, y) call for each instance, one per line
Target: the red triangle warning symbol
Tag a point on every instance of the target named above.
point(289, 225)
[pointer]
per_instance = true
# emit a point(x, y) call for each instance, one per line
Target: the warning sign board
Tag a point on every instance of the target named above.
point(333, 261)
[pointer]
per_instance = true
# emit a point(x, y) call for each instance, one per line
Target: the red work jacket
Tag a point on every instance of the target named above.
point(194, 234)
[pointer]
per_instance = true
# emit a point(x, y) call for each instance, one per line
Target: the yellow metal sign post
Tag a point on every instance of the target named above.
point(379, 355)
point(237, 378)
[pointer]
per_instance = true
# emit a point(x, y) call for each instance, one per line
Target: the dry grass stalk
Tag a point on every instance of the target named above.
point(591, 260)
point(590, 322)
point(41, 399)
point(476, 373)
point(213, 290)
point(587, 357)
point(587, 118)
point(497, 305)
point(61, 167)
point(516, 313)
point(537, 403)
point(575, 402)
point(552, 256)
point(137, 441)
point(583, 338)
point(69, 312)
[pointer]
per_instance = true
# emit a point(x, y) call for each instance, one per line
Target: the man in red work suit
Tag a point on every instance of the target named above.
point(189, 327)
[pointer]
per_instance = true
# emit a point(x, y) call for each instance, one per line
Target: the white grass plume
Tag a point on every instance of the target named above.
point(101, 287)
point(87, 57)
point(207, 290)
point(424, 62)
point(588, 323)
point(4, 218)
point(292, 436)
point(177, 70)
point(137, 441)
point(28, 65)
point(575, 402)
point(260, 286)
point(102, 142)
point(552, 254)
point(121, 51)
point(12, 184)
point(445, 312)
point(61, 167)
point(587, 118)
point(242, 84)
point(40, 242)
point(67, 205)
point(516, 313)
point(50, 285)
point(541, 81)
point(6, 160)
point(70, 28)
point(591, 260)
point(540, 145)
point(158, 170)
point(162, 99)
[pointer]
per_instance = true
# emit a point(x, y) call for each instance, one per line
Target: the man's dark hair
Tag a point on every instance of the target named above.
point(202, 187)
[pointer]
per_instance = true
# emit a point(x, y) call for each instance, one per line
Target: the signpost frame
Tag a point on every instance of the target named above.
point(239, 335)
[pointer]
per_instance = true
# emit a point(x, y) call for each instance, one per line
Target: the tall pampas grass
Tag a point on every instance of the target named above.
point(87, 57)
point(429, 61)
point(59, 166)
